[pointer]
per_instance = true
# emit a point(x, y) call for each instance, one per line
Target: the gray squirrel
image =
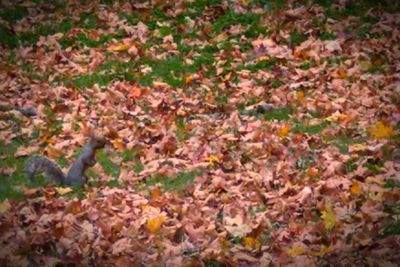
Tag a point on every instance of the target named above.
point(76, 173)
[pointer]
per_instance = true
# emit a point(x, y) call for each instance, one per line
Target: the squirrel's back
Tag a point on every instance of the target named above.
point(43, 164)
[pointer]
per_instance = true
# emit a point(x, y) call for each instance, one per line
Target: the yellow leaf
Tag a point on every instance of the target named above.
point(295, 250)
point(220, 38)
point(154, 224)
point(329, 218)
point(337, 117)
point(355, 188)
point(380, 130)
point(63, 190)
point(118, 144)
point(212, 159)
point(251, 243)
point(357, 147)
point(324, 250)
point(4, 206)
point(188, 79)
point(118, 47)
point(284, 131)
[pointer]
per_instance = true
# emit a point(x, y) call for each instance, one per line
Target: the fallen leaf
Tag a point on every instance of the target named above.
point(324, 250)
point(329, 218)
point(154, 224)
point(380, 130)
point(63, 190)
point(251, 243)
point(212, 159)
point(117, 47)
point(284, 131)
point(337, 117)
point(135, 91)
point(4, 206)
point(355, 188)
point(24, 151)
point(295, 250)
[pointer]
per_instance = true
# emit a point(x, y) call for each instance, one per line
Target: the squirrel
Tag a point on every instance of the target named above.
point(76, 173)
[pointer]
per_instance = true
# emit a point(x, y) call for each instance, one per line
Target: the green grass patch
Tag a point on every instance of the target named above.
point(280, 114)
point(251, 20)
point(177, 183)
point(9, 184)
point(310, 129)
point(109, 167)
point(261, 65)
point(342, 142)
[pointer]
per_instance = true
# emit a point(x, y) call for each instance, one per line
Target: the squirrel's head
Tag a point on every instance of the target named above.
point(97, 141)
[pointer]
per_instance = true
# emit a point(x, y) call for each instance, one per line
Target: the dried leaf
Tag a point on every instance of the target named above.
point(154, 224)
point(337, 117)
point(212, 159)
point(329, 218)
point(251, 243)
point(284, 131)
point(119, 47)
point(63, 190)
point(4, 206)
point(355, 188)
point(380, 130)
point(324, 250)
point(295, 251)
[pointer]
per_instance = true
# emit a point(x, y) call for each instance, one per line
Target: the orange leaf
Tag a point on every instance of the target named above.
point(155, 193)
point(212, 159)
point(118, 47)
point(380, 130)
point(355, 188)
point(284, 131)
point(252, 243)
point(300, 96)
point(118, 144)
point(53, 152)
point(136, 92)
point(342, 73)
point(154, 224)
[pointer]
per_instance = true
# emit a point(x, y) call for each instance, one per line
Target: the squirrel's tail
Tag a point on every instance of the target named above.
point(42, 164)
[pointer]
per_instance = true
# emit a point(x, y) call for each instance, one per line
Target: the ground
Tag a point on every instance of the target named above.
point(240, 133)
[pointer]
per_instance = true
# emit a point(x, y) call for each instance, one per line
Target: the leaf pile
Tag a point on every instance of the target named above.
point(241, 133)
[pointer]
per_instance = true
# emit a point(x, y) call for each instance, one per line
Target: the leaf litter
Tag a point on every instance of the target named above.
point(242, 133)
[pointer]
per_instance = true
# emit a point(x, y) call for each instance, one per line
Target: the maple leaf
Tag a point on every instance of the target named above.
point(63, 190)
point(355, 188)
point(295, 250)
point(337, 117)
point(154, 224)
point(329, 218)
point(251, 243)
point(284, 131)
point(324, 250)
point(118, 47)
point(380, 130)
point(212, 159)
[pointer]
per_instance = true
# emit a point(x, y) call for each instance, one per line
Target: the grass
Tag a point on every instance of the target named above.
point(11, 186)
point(177, 183)
point(109, 167)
